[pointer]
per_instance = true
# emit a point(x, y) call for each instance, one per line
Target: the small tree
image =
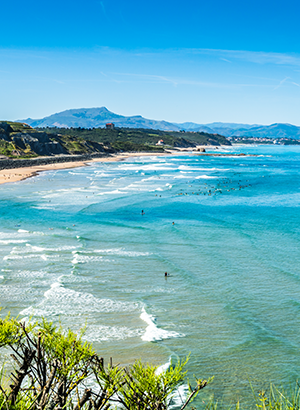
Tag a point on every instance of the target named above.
point(54, 370)
point(54, 362)
point(141, 387)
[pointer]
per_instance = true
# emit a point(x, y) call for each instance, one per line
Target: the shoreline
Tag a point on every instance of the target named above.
point(20, 174)
point(8, 175)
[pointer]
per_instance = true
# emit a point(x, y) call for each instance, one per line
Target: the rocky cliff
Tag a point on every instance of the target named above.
point(21, 140)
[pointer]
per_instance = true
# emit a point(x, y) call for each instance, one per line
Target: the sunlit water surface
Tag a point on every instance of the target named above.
point(75, 246)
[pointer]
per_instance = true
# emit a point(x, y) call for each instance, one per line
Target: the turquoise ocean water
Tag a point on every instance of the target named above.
point(74, 246)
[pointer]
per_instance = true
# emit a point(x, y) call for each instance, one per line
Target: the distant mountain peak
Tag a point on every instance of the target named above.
point(98, 116)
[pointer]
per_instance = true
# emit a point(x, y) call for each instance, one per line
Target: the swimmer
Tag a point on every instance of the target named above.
point(166, 274)
point(173, 223)
point(143, 213)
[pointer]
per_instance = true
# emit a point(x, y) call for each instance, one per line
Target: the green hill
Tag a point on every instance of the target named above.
point(139, 139)
point(21, 140)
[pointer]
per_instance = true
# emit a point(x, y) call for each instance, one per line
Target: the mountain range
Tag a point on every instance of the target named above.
point(98, 117)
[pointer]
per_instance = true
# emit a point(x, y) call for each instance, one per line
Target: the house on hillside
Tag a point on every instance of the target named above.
point(110, 126)
point(160, 142)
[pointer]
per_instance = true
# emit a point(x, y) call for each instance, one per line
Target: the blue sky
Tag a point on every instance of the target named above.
point(230, 61)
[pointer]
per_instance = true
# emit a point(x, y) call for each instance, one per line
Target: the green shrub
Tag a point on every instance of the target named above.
point(54, 369)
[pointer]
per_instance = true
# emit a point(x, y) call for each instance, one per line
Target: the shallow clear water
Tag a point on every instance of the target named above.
point(74, 246)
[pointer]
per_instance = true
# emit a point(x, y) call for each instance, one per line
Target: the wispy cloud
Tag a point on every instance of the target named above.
point(287, 80)
point(258, 57)
point(104, 11)
point(183, 81)
point(149, 77)
point(225, 59)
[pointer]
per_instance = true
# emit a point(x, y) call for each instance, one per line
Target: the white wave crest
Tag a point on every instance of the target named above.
point(153, 333)
point(59, 300)
point(18, 257)
point(178, 397)
point(163, 368)
point(122, 252)
point(205, 177)
point(12, 241)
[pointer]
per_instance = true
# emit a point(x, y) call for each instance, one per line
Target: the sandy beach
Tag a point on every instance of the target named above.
point(19, 174)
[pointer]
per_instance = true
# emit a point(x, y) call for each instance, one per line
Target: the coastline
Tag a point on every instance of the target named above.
point(9, 175)
point(20, 174)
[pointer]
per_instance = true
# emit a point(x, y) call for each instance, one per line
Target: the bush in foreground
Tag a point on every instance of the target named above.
point(56, 369)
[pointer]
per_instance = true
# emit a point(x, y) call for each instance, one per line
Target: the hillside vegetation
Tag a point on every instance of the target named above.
point(21, 140)
point(139, 139)
point(98, 117)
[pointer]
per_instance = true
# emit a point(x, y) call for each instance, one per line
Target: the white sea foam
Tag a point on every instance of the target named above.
point(100, 174)
point(181, 176)
point(19, 294)
point(9, 235)
point(41, 249)
point(148, 290)
point(24, 231)
point(122, 252)
point(35, 248)
point(136, 186)
point(87, 259)
point(150, 167)
point(30, 274)
point(18, 257)
point(179, 159)
point(153, 178)
point(163, 368)
point(104, 333)
point(84, 258)
point(178, 397)
point(12, 241)
point(205, 177)
point(76, 173)
point(188, 168)
point(59, 300)
point(114, 192)
point(154, 333)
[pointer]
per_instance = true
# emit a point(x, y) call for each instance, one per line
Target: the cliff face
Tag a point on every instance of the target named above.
point(19, 139)
point(39, 143)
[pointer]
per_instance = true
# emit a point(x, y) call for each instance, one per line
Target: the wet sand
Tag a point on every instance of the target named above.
point(19, 174)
